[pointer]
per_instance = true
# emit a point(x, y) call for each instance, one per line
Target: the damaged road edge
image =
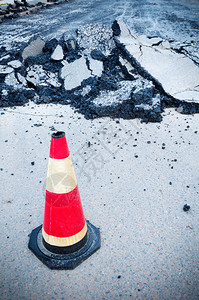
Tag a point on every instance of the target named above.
point(101, 72)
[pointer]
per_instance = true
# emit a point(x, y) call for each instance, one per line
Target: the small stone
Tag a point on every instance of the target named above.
point(58, 53)
point(186, 207)
point(73, 45)
point(12, 80)
point(5, 57)
point(98, 55)
point(96, 67)
point(116, 28)
point(15, 64)
point(34, 48)
point(5, 70)
point(86, 90)
point(4, 92)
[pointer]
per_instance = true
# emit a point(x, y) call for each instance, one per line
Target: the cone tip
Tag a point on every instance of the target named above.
point(58, 134)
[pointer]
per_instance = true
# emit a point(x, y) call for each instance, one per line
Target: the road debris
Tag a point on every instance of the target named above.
point(186, 207)
point(102, 71)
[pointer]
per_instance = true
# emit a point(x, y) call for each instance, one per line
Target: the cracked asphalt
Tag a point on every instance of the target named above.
point(169, 19)
point(134, 178)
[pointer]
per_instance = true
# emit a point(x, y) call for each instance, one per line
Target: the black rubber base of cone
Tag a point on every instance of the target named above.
point(64, 261)
point(65, 250)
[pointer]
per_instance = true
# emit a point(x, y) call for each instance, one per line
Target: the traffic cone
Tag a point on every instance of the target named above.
point(66, 238)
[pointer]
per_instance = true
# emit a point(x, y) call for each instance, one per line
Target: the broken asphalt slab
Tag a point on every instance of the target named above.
point(34, 48)
point(74, 73)
point(102, 71)
point(175, 72)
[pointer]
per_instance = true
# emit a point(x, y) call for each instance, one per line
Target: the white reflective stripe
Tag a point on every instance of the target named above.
point(61, 177)
point(67, 241)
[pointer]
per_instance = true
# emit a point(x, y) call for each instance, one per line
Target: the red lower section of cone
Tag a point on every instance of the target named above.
point(63, 214)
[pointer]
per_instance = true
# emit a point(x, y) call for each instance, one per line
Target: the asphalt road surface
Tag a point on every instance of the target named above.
point(168, 19)
point(134, 178)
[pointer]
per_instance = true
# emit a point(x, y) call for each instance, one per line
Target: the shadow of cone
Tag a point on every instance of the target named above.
point(66, 238)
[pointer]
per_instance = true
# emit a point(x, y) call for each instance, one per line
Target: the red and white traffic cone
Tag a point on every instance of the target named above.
point(66, 238)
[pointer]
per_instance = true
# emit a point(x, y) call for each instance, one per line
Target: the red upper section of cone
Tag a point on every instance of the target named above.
point(58, 147)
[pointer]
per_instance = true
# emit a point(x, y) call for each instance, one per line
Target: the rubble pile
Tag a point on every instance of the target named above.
point(24, 7)
point(102, 71)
